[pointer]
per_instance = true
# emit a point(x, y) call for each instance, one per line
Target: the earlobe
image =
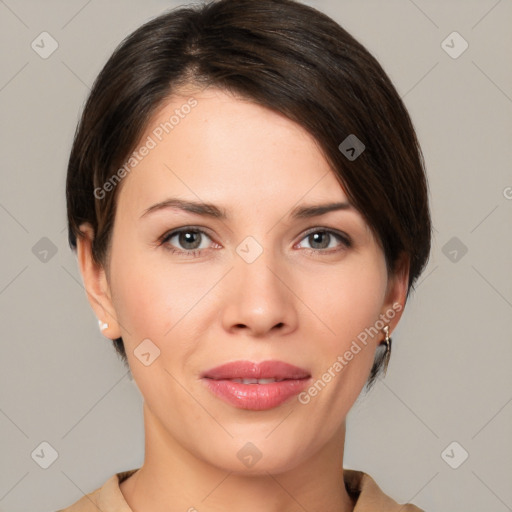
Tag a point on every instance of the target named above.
point(96, 284)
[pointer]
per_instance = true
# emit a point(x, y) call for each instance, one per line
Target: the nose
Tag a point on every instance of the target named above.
point(259, 298)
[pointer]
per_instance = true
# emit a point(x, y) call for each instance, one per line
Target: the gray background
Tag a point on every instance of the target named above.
point(449, 378)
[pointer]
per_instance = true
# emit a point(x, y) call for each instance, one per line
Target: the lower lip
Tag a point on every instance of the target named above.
point(256, 397)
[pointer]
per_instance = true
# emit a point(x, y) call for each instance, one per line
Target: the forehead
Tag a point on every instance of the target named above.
point(211, 144)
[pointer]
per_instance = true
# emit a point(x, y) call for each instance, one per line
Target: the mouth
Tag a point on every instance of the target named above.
point(256, 386)
point(249, 370)
point(256, 381)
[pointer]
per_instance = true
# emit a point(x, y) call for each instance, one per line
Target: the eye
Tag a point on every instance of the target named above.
point(190, 239)
point(321, 239)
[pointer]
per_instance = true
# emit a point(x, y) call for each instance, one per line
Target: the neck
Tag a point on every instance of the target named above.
point(173, 479)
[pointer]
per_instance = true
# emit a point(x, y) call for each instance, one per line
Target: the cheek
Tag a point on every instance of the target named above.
point(153, 305)
point(150, 302)
point(159, 300)
point(349, 302)
point(346, 300)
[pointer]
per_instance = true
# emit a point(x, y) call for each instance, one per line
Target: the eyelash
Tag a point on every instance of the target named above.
point(163, 241)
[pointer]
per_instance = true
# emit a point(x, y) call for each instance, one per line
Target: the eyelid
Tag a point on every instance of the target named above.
point(173, 232)
point(344, 238)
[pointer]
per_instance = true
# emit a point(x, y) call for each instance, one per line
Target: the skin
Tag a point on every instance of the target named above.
point(300, 302)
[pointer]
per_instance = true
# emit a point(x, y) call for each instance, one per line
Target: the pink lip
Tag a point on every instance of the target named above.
point(251, 370)
point(256, 397)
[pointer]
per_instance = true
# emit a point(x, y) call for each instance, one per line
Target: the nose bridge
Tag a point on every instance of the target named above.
point(256, 268)
point(258, 298)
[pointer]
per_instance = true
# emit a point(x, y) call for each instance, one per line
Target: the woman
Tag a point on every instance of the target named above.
point(248, 203)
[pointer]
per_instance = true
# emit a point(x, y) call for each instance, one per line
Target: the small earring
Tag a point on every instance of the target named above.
point(387, 339)
point(102, 325)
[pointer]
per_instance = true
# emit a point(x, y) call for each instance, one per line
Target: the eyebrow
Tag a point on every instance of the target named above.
point(213, 211)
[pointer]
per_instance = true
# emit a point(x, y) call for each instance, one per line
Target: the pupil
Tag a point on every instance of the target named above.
point(187, 239)
point(320, 235)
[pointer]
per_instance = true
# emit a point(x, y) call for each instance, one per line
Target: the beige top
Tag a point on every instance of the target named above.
point(360, 486)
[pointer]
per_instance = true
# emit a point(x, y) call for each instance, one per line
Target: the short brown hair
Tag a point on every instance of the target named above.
point(285, 56)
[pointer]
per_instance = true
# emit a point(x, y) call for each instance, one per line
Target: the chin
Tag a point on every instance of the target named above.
point(257, 457)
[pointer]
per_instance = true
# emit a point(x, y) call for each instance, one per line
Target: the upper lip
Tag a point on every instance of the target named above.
point(253, 370)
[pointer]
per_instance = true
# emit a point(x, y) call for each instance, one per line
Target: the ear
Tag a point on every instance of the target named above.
point(396, 293)
point(96, 284)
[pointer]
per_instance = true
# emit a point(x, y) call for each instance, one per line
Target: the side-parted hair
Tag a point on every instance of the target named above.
point(285, 56)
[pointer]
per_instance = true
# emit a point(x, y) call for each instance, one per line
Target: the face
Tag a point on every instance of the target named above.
point(189, 292)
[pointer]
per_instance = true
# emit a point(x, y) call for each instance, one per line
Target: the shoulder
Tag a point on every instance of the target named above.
point(369, 497)
point(105, 498)
point(88, 502)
